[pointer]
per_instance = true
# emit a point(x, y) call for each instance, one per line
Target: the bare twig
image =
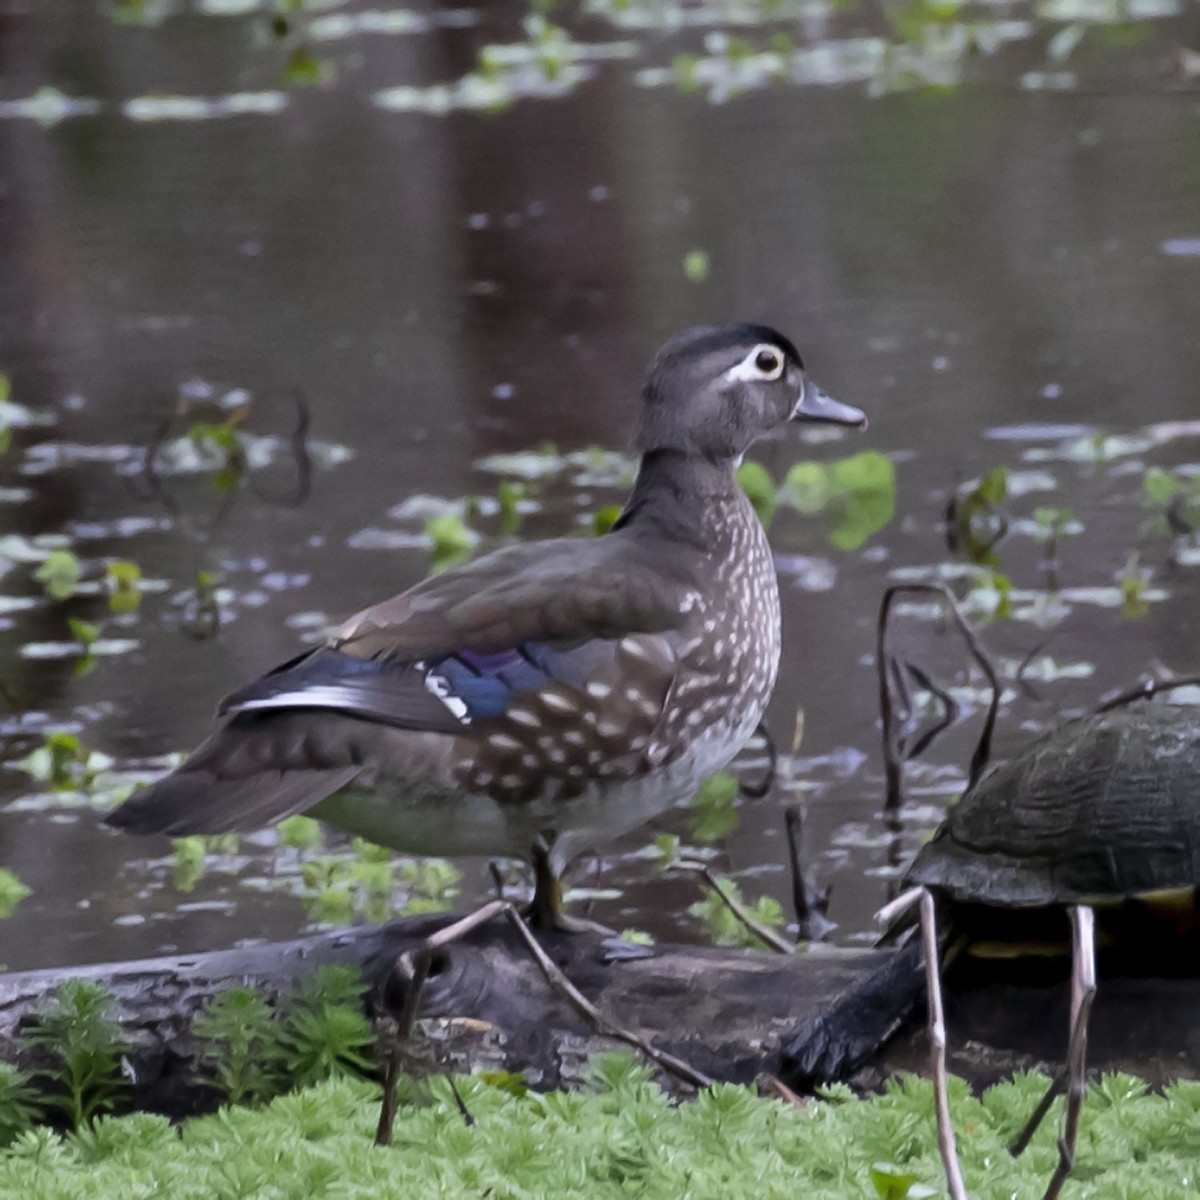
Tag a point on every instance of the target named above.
point(1146, 689)
point(766, 936)
point(556, 979)
point(1021, 1142)
point(1083, 992)
point(937, 1048)
point(949, 710)
point(808, 902)
point(416, 967)
point(893, 767)
point(300, 453)
point(774, 1086)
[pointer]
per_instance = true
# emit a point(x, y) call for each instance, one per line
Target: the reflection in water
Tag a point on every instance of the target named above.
point(1003, 273)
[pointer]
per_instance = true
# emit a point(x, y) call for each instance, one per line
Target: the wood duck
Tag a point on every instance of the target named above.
point(550, 695)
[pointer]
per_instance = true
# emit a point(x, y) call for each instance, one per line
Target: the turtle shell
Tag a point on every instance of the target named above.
point(1104, 808)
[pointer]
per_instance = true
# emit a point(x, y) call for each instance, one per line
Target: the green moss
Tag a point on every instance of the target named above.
point(621, 1137)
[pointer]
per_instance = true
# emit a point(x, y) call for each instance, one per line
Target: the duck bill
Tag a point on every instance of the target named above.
point(816, 405)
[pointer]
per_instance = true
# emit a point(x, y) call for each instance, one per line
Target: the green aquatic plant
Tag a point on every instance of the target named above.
point(19, 1107)
point(59, 574)
point(696, 266)
point(857, 495)
point(86, 634)
point(63, 762)
point(714, 807)
point(452, 540)
point(12, 892)
point(755, 480)
point(82, 1045)
point(975, 518)
point(724, 927)
point(299, 832)
point(122, 579)
point(509, 495)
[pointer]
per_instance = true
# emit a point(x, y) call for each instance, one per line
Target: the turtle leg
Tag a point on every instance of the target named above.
point(937, 1047)
point(1083, 992)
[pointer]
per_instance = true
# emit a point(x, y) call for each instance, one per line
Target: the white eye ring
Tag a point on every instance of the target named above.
point(764, 362)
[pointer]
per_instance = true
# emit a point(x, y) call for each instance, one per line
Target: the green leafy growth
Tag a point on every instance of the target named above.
point(725, 928)
point(62, 761)
point(1160, 486)
point(620, 1136)
point(1053, 523)
point(83, 1044)
point(12, 892)
point(221, 441)
point(756, 482)
point(5, 427)
point(432, 884)
point(667, 845)
point(59, 574)
point(856, 494)
point(1134, 581)
point(975, 517)
point(239, 1043)
point(187, 861)
point(305, 69)
point(124, 595)
point(509, 495)
point(85, 633)
point(452, 541)
point(605, 518)
point(714, 807)
point(299, 832)
point(324, 1031)
point(894, 1183)
point(19, 1108)
point(686, 69)
point(696, 265)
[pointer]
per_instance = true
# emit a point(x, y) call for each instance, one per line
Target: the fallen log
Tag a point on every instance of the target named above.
point(733, 1015)
point(808, 1018)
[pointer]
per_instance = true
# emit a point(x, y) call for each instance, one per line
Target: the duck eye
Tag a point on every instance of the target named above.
point(769, 362)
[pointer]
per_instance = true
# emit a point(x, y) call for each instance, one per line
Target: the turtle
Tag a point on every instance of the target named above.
point(1100, 814)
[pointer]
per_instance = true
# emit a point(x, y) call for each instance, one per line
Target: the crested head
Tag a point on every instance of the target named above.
point(712, 391)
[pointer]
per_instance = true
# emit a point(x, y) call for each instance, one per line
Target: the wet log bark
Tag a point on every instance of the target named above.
point(807, 1018)
point(730, 1014)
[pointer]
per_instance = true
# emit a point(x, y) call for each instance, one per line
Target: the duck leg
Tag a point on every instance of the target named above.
point(1083, 992)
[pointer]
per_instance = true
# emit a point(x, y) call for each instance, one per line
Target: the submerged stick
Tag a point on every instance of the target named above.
point(892, 764)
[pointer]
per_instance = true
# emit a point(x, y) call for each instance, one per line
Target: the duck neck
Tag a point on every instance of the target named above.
point(677, 495)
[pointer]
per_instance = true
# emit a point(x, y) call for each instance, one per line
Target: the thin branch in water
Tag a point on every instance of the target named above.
point(298, 443)
point(1027, 662)
point(943, 697)
point(893, 766)
point(1143, 691)
point(809, 902)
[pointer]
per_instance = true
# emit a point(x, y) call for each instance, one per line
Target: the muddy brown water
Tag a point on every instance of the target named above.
point(1003, 269)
